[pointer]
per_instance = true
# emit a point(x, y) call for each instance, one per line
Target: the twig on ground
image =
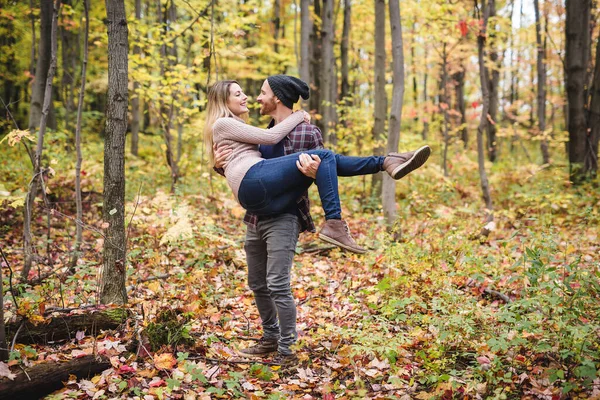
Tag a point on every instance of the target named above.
point(10, 279)
point(495, 293)
point(12, 345)
point(226, 361)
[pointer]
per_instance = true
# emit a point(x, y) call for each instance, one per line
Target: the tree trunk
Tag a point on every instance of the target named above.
point(481, 39)
point(42, 65)
point(135, 99)
point(65, 326)
point(43, 379)
point(112, 286)
point(69, 60)
point(425, 101)
point(380, 95)
point(276, 24)
point(413, 69)
point(315, 65)
point(444, 103)
point(327, 72)
point(344, 46)
point(167, 112)
point(78, 202)
point(493, 80)
point(459, 88)
point(305, 30)
point(3, 345)
point(38, 172)
point(541, 84)
point(389, 185)
point(576, 60)
point(591, 155)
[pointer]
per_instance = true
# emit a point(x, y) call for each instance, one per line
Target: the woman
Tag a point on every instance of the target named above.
point(266, 187)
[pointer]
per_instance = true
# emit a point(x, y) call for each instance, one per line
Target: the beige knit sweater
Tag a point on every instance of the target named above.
point(244, 140)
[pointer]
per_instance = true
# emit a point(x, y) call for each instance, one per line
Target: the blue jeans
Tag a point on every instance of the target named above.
point(273, 186)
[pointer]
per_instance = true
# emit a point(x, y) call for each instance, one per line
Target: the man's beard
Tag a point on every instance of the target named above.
point(267, 107)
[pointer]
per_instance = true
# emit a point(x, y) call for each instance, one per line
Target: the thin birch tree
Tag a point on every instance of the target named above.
point(389, 185)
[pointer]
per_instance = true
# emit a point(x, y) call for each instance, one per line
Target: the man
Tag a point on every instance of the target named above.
point(271, 241)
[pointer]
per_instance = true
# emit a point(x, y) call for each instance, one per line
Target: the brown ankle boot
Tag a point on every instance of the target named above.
point(398, 165)
point(335, 231)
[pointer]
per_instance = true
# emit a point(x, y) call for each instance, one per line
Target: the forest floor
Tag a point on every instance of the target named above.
point(443, 313)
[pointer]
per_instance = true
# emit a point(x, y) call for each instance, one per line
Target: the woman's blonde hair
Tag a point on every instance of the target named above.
point(218, 95)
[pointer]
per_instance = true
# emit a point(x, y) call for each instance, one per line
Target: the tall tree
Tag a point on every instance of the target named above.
point(380, 95)
point(315, 63)
point(389, 185)
point(37, 181)
point(305, 31)
point(459, 92)
point(328, 71)
point(485, 94)
point(493, 81)
point(78, 202)
point(578, 43)
point(135, 98)
point(591, 158)
point(276, 24)
point(70, 50)
point(541, 82)
point(112, 285)
point(445, 105)
point(42, 65)
point(344, 47)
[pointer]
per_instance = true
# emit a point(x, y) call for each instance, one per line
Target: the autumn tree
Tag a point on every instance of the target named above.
point(112, 285)
point(583, 138)
point(389, 185)
point(541, 82)
point(485, 94)
point(380, 114)
point(37, 181)
point(42, 67)
point(328, 72)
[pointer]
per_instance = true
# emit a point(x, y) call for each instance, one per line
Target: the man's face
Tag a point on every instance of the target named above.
point(267, 99)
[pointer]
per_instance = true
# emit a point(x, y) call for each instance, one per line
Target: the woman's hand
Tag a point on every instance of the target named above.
point(221, 155)
point(308, 164)
point(306, 116)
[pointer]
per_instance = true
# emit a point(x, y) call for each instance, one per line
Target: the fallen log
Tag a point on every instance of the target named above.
point(65, 326)
point(42, 379)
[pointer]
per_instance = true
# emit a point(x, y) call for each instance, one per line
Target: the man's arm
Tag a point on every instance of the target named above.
point(221, 155)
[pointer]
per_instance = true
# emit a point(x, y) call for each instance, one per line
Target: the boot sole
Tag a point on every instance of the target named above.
point(343, 246)
point(257, 355)
point(417, 160)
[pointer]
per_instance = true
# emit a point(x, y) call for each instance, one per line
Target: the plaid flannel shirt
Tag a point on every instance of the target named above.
point(303, 137)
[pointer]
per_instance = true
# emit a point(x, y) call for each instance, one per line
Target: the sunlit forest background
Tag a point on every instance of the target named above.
point(482, 278)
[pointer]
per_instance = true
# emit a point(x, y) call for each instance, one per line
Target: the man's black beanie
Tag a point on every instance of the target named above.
point(288, 89)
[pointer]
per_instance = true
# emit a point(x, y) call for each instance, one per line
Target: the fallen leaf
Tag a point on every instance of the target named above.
point(164, 361)
point(5, 371)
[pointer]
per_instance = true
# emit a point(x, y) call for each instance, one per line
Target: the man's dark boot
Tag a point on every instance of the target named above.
point(335, 231)
point(262, 348)
point(285, 360)
point(398, 165)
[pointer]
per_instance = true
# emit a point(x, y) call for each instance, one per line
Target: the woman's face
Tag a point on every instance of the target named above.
point(237, 100)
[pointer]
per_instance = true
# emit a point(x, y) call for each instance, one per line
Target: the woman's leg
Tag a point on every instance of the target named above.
point(353, 166)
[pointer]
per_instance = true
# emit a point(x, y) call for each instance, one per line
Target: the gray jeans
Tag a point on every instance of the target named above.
point(270, 250)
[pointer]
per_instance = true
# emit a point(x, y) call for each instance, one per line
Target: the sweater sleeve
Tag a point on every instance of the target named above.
point(229, 128)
